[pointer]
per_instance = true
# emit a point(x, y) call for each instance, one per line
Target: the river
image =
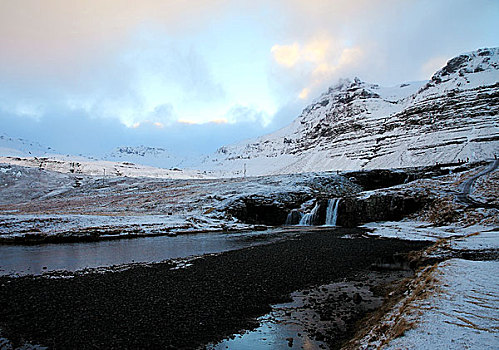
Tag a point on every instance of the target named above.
point(36, 259)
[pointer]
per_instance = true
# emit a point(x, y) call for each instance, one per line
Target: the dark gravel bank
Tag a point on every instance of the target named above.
point(158, 307)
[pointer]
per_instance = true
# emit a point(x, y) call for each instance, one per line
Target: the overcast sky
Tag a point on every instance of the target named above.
point(190, 76)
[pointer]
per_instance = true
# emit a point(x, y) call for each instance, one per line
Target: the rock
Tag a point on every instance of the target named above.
point(357, 299)
point(293, 217)
point(381, 206)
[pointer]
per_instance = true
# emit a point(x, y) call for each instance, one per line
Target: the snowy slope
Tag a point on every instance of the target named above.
point(152, 156)
point(84, 166)
point(10, 146)
point(124, 161)
point(358, 125)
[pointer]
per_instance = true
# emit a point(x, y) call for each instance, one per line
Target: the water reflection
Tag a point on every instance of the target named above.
point(77, 256)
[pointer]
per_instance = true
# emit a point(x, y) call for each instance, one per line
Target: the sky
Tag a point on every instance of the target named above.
point(84, 77)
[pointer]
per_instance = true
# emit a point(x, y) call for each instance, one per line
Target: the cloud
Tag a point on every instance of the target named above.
point(396, 37)
point(239, 113)
point(66, 34)
point(316, 62)
point(232, 69)
point(76, 132)
point(286, 55)
point(154, 79)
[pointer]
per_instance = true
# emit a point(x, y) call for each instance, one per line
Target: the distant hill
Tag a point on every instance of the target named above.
point(152, 156)
point(10, 146)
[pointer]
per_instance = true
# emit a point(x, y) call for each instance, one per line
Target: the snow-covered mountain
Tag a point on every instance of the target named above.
point(152, 156)
point(17, 147)
point(357, 125)
point(124, 161)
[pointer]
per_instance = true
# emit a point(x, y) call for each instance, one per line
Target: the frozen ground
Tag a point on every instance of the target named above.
point(410, 229)
point(461, 314)
point(35, 203)
point(454, 303)
point(451, 305)
point(85, 166)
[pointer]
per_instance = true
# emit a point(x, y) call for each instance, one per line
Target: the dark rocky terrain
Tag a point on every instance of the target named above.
point(157, 306)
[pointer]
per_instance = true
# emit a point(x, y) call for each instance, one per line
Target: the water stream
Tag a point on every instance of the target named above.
point(332, 211)
point(296, 217)
point(36, 259)
point(309, 218)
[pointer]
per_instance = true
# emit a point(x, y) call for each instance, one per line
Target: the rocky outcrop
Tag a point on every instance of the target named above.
point(272, 205)
point(383, 178)
point(381, 206)
point(355, 207)
point(266, 210)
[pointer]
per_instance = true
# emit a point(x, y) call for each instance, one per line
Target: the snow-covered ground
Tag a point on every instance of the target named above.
point(144, 155)
point(36, 202)
point(454, 303)
point(414, 230)
point(451, 305)
point(84, 166)
point(16, 147)
point(461, 314)
point(13, 227)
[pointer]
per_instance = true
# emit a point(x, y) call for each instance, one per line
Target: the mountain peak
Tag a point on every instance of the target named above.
point(481, 60)
point(358, 125)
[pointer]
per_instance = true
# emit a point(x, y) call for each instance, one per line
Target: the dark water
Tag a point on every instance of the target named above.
point(22, 260)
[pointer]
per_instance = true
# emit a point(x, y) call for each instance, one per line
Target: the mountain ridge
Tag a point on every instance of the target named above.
point(358, 125)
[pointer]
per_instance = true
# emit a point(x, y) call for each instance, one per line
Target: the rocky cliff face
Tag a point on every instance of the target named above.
point(356, 125)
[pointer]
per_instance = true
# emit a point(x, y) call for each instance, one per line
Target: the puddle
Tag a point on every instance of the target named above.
point(316, 317)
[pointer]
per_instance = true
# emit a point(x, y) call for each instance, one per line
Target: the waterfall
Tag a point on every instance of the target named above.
point(332, 211)
point(293, 218)
point(309, 219)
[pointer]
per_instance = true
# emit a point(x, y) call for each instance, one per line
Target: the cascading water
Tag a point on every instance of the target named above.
point(309, 219)
point(293, 218)
point(332, 211)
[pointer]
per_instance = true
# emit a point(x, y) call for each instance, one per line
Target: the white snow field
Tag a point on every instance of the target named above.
point(451, 305)
point(462, 313)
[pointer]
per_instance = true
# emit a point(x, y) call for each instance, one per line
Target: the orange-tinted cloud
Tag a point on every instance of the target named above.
point(321, 58)
point(286, 55)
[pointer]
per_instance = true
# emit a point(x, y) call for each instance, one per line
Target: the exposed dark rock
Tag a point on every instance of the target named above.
point(293, 217)
point(254, 211)
point(381, 206)
point(320, 218)
point(266, 210)
point(357, 299)
point(274, 209)
point(383, 178)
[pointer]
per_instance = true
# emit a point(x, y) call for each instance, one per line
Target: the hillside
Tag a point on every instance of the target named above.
point(357, 125)
point(10, 146)
point(151, 156)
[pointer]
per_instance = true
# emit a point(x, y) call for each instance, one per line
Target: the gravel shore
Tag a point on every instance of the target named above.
point(158, 306)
